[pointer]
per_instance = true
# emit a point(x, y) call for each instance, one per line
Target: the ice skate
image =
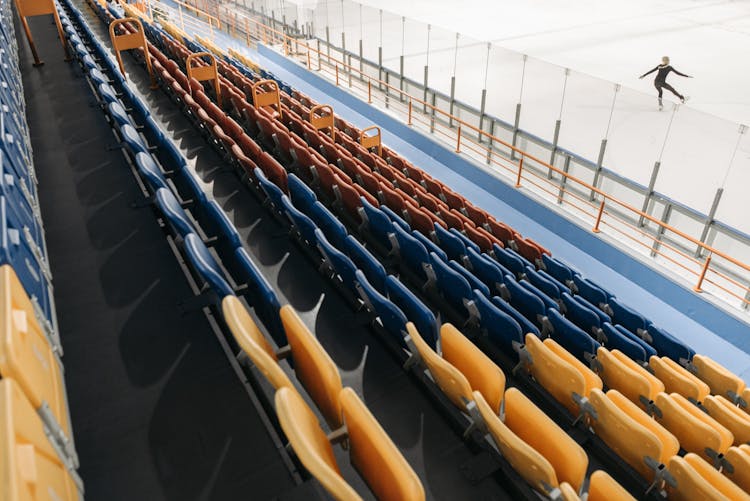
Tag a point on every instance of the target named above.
point(661, 106)
point(684, 99)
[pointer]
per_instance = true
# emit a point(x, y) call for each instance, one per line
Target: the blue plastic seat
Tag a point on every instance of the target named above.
point(153, 133)
point(616, 339)
point(173, 212)
point(559, 270)
point(499, 327)
point(304, 225)
point(560, 286)
point(391, 317)
point(106, 92)
point(669, 346)
point(474, 282)
point(582, 315)
point(429, 245)
point(133, 141)
point(272, 191)
point(89, 63)
point(302, 196)
point(628, 317)
point(206, 266)
point(98, 77)
point(395, 218)
point(572, 338)
point(526, 325)
point(150, 172)
point(22, 202)
point(377, 223)
point(215, 223)
point(592, 292)
point(469, 244)
point(452, 245)
point(339, 262)
point(509, 260)
point(415, 310)
point(333, 229)
point(603, 317)
point(118, 114)
point(548, 301)
point(365, 261)
point(454, 288)
point(261, 297)
point(412, 254)
point(527, 303)
point(487, 270)
point(548, 287)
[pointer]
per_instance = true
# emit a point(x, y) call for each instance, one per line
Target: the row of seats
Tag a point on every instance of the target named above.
point(36, 435)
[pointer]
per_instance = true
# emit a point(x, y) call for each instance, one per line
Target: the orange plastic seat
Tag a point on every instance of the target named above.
point(721, 381)
point(695, 429)
point(602, 487)
point(740, 461)
point(313, 367)
point(621, 373)
point(677, 379)
point(696, 479)
point(730, 416)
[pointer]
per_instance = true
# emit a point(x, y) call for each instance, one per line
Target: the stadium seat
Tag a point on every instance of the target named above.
point(549, 303)
point(430, 245)
point(573, 339)
point(562, 376)
point(150, 172)
point(618, 340)
point(174, 215)
point(497, 326)
point(592, 293)
point(365, 261)
point(339, 262)
point(677, 379)
point(696, 430)
point(303, 224)
point(302, 196)
point(696, 479)
point(668, 346)
point(31, 465)
point(528, 304)
point(602, 487)
point(583, 316)
point(621, 373)
point(415, 310)
point(455, 289)
point(272, 191)
point(453, 246)
point(390, 316)
point(313, 367)
point(739, 473)
point(628, 317)
point(719, 379)
point(332, 228)
point(377, 223)
point(206, 266)
point(628, 437)
point(474, 282)
point(413, 255)
point(546, 286)
point(487, 270)
point(371, 451)
point(510, 260)
point(729, 416)
point(526, 325)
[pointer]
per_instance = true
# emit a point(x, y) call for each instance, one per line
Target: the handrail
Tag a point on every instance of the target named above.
point(199, 12)
point(393, 93)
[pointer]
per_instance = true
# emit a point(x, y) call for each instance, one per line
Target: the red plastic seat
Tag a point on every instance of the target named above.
point(452, 220)
point(431, 202)
point(465, 220)
point(245, 162)
point(434, 187)
point(453, 199)
point(481, 237)
point(249, 147)
point(419, 220)
point(501, 230)
point(368, 180)
point(273, 171)
point(393, 199)
point(475, 214)
point(368, 196)
point(226, 141)
point(349, 197)
point(528, 249)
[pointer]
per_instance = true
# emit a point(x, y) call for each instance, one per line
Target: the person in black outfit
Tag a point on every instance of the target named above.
point(660, 82)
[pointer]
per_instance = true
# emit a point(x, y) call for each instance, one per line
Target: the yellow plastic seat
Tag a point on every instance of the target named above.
point(677, 379)
point(591, 379)
point(721, 381)
point(313, 367)
point(450, 380)
point(625, 436)
point(729, 416)
point(740, 461)
point(602, 487)
point(695, 429)
point(624, 375)
point(530, 464)
point(556, 375)
point(726, 488)
point(253, 342)
point(746, 398)
point(25, 353)
point(371, 451)
point(568, 493)
point(535, 428)
point(29, 466)
point(670, 444)
point(745, 448)
point(481, 372)
point(375, 456)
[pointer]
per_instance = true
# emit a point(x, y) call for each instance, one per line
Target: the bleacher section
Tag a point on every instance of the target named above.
point(561, 389)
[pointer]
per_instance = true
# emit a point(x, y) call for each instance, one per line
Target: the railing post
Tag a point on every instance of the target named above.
point(458, 140)
point(309, 67)
point(697, 287)
point(520, 170)
point(409, 111)
point(247, 33)
point(369, 92)
point(599, 217)
point(337, 74)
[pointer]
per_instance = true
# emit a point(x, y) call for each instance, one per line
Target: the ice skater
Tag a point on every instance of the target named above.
point(660, 82)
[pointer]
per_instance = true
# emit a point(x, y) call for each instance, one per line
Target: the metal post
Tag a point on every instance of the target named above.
point(520, 170)
point(489, 144)
point(515, 131)
point(369, 91)
point(409, 122)
point(337, 74)
point(432, 113)
point(483, 103)
point(554, 147)
point(401, 79)
point(596, 229)
point(563, 180)
point(450, 105)
point(702, 276)
point(328, 43)
point(709, 220)
point(649, 193)
point(380, 67)
point(425, 89)
point(660, 232)
point(361, 64)
point(387, 88)
point(458, 140)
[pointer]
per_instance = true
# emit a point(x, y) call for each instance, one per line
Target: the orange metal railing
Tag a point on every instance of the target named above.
point(528, 171)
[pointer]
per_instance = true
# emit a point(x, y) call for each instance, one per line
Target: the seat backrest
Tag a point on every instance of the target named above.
point(454, 287)
point(333, 229)
point(627, 377)
point(415, 310)
point(526, 324)
point(740, 461)
point(627, 316)
point(252, 341)
point(695, 429)
point(525, 301)
point(590, 378)
point(310, 444)
point(509, 260)
point(626, 437)
point(603, 487)
point(378, 224)
point(474, 282)
point(580, 314)
point(729, 416)
point(481, 372)
point(547, 300)
point(392, 318)
point(301, 194)
point(451, 381)
point(616, 340)
point(530, 464)
point(572, 338)
point(453, 246)
point(272, 191)
point(411, 251)
point(375, 456)
point(546, 286)
point(313, 367)
point(150, 171)
point(556, 375)
point(499, 327)
point(592, 292)
point(670, 444)
point(669, 346)
point(721, 487)
point(535, 428)
point(365, 261)
point(304, 224)
point(487, 270)
point(480, 237)
point(205, 264)
point(719, 379)
point(677, 379)
point(429, 245)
